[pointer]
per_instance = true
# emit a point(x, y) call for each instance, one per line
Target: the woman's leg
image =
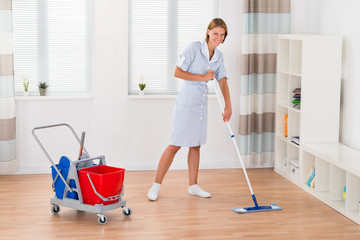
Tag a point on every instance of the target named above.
point(193, 164)
point(164, 164)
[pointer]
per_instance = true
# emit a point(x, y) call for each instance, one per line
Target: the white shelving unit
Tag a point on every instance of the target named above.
point(313, 63)
point(336, 166)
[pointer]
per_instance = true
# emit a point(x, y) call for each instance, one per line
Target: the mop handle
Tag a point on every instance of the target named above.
point(234, 141)
point(81, 144)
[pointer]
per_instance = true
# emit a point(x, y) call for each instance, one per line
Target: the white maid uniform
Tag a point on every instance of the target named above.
point(190, 113)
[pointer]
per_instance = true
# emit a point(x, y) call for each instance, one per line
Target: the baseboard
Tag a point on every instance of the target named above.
point(8, 167)
point(130, 166)
point(33, 170)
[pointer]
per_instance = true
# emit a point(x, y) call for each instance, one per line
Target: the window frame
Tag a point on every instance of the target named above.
point(42, 66)
point(172, 82)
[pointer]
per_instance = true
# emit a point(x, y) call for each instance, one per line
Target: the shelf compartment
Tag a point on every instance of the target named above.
point(293, 124)
point(280, 154)
point(282, 89)
point(322, 177)
point(293, 166)
point(280, 121)
point(283, 55)
point(292, 152)
point(294, 82)
point(295, 57)
point(339, 204)
point(352, 192)
point(293, 162)
point(337, 183)
point(306, 164)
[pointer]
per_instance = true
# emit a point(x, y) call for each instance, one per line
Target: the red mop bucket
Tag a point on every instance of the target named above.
point(101, 184)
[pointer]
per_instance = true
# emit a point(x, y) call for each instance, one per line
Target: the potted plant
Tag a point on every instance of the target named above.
point(142, 85)
point(26, 84)
point(42, 88)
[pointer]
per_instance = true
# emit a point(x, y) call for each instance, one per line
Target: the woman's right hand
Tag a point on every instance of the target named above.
point(209, 75)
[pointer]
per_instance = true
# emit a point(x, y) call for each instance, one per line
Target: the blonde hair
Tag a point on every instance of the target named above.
point(217, 22)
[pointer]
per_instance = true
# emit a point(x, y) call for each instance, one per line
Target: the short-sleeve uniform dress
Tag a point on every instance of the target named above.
point(190, 113)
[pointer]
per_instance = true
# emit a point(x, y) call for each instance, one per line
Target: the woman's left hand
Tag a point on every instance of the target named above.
point(227, 113)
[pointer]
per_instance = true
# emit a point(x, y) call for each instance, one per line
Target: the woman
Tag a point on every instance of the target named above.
point(200, 62)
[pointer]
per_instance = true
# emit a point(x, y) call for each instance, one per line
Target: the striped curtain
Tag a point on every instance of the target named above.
point(8, 161)
point(263, 20)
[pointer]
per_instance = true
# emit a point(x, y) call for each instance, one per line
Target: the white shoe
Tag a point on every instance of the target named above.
point(154, 191)
point(197, 191)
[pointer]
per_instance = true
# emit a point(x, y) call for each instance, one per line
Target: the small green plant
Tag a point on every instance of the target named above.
point(26, 85)
point(26, 82)
point(43, 85)
point(142, 86)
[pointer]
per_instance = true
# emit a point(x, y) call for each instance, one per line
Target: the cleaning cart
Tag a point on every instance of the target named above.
point(84, 185)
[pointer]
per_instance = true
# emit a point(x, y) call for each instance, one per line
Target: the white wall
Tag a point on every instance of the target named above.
point(299, 12)
point(130, 133)
point(338, 17)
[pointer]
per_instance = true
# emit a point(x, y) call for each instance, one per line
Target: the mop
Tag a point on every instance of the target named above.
point(256, 208)
point(83, 156)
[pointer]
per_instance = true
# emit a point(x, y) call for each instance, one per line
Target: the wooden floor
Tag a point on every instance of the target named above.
point(25, 210)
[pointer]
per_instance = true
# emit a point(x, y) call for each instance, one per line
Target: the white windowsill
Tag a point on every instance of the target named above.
point(155, 97)
point(131, 97)
point(49, 98)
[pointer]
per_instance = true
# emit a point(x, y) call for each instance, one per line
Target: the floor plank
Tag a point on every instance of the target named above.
point(25, 210)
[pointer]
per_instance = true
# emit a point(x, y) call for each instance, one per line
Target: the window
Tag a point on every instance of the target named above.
point(51, 41)
point(159, 30)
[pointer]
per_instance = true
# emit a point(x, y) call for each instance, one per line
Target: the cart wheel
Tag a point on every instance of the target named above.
point(55, 209)
point(127, 212)
point(102, 219)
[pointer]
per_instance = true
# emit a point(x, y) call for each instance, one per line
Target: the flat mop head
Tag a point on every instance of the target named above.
point(272, 207)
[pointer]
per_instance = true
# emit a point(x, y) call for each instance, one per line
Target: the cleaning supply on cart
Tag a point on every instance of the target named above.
point(58, 184)
point(83, 155)
point(66, 179)
point(101, 184)
point(81, 144)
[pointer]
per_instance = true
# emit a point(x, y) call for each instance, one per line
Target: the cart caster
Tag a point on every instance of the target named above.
point(127, 212)
point(55, 209)
point(102, 219)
